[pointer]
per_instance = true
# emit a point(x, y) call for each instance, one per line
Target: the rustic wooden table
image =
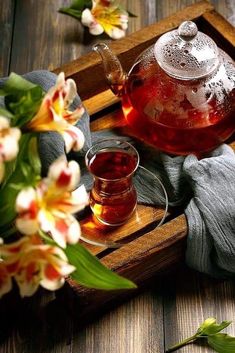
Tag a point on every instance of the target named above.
point(33, 35)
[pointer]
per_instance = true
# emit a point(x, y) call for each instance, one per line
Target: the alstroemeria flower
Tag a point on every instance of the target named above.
point(106, 16)
point(53, 114)
point(32, 263)
point(50, 206)
point(9, 138)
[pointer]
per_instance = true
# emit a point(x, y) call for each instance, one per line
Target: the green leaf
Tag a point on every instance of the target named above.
point(4, 112)
point(24, 107)
point(81, 4)
point(34, 158)
point(76, 8)
point(7, 193)
point(210, 327)
point(222, 343)
point(209, 330)
point(25, 168)
point(130, 14)
point(15, 84)
point(91, 273)
point(17, 187)
point(22, 99)
point(71, 12)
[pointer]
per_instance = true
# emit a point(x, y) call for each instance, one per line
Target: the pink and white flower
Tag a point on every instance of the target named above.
point(53, 114)
point(9, 138)
point(106, 16)
point(51, 205)
point(32, 263)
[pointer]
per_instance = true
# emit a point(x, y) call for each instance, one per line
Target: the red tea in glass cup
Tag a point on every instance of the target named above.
point(113, 197)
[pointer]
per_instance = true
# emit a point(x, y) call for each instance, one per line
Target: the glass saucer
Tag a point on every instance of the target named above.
point(150, 213)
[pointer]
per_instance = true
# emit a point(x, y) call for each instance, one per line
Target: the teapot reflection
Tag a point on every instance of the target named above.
point(179, 95)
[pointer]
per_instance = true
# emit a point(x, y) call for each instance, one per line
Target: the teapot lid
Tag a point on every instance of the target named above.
point(186, 53)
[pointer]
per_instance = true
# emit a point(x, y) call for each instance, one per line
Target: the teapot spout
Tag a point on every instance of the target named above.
point(114, 73)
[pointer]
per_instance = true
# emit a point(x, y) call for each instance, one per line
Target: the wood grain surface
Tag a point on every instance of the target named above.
point(33, 35)
point(7, 11)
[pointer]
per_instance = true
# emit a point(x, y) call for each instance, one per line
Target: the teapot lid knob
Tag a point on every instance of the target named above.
point(187, 30)
point(186, 53)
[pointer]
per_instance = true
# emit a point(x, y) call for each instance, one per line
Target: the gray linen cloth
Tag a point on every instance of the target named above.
point(204, 188)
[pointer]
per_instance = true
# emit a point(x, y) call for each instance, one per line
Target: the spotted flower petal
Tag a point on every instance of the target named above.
point(42, 265)
point(54, 113)
point(50, 206)
point(106, 16)
point(27, 207)
point(63, 228)
point(78, 200)
point(28, 277)
point(64, 174)
point(37, 264)
point(73, 138)
point(89, 20)
point(13, 249)
point(9, 138)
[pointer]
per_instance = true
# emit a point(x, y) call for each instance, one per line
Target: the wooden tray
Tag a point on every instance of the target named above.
point(151, 251)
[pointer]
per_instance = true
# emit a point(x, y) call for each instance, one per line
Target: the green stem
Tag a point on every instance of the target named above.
point(182, 343)
point(71, 12)
point(47, 238)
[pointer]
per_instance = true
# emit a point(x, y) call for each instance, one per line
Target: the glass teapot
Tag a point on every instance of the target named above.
point(179, 95)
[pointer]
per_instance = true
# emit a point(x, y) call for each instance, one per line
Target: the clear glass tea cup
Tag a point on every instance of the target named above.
point(113, 197)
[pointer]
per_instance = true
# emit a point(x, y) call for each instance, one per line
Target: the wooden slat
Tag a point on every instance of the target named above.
point(100, 101)
point(87, 71)
point(129, 258)
point(6, 25)
point(113, 119)
point(159, 249)
point(226, 30)
point(134, 327)
point(143, 218)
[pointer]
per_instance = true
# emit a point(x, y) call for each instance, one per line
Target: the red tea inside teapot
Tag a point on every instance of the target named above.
point(179, 94)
